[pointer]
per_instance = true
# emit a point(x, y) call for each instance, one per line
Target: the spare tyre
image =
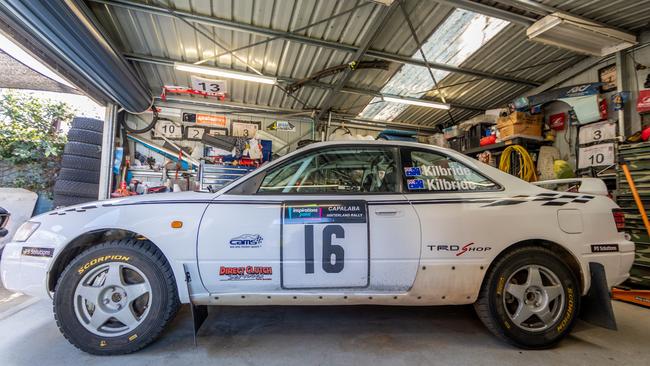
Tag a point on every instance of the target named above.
point(78, 179)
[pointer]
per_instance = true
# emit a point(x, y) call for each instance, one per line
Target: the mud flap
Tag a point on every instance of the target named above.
point(199, 312)
point(597, 304)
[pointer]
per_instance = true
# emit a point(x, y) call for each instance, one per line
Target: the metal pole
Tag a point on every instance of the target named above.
point(108, 146)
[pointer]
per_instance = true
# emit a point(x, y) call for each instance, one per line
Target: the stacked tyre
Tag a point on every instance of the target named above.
point(78, 179)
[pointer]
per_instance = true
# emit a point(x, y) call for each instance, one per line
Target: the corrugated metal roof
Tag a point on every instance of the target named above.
point(510, 53)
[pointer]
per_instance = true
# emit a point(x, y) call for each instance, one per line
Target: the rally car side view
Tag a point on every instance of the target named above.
point(338, 223)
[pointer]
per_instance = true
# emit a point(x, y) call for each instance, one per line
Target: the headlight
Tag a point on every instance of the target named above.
point(26, 230)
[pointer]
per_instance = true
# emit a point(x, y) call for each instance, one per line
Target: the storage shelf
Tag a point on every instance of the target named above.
point(525, 141)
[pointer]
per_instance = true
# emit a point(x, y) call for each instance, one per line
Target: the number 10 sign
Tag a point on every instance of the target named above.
point(596, 155)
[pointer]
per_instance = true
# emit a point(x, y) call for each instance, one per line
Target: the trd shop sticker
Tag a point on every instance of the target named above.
point(245, 273)
point(458, 250)
point(325, 212)
point(604, 248)
point(37, 252)
point(413, 171)
point(247, 241)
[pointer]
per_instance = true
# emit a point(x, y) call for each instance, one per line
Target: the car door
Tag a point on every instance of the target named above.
point(328, 219)
point(449, 197)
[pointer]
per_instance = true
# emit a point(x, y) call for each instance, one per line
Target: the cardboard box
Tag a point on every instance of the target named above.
point(520, 123)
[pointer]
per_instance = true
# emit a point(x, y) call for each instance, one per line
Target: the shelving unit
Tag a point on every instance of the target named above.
point(637, 157)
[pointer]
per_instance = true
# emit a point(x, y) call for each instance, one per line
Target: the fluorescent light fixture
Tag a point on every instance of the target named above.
point(229, 74)
point(414, 101)
point(579, 35)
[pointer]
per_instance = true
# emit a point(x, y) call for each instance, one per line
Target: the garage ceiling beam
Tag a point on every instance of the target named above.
point(373, 31)
point(267, 32)
point(316, 84)
point(245, 108)
point(490, 11)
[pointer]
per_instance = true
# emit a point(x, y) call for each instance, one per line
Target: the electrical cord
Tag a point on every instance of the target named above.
point(517, 161)
point(122, 119)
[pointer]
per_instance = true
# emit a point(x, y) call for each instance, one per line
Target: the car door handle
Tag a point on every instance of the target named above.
point(387, 212)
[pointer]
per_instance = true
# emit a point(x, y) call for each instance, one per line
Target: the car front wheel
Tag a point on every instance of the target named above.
point(530, 298)
point(116, 297)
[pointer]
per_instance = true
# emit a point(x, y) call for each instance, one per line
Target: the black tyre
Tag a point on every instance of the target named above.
point(79, 175)
point(81, 162)
point(89, 124)
point(62, 200)
point(83, 149)
point(116, 297)
point(530, 298)
point(77, 189)
point(86, 136)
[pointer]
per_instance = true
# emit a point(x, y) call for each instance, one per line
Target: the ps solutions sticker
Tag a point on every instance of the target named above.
point(38, 252)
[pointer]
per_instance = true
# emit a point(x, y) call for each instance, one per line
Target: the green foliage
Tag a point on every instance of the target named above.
point(31, 140)
point(29, 128)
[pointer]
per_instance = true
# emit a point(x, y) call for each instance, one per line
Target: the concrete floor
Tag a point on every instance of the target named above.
point(331, 336)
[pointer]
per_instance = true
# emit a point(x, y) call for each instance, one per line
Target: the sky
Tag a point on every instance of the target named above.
point(83, 105)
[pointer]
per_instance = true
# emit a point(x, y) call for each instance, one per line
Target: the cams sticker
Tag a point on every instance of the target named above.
point(604, 248)
point(247, 241)
point(105, 258)
point(245, 273)
point(38, 252)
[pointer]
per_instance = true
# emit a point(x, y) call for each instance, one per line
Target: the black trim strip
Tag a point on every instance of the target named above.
point(544, 199)
point(578, 200)
point(548, 194)
point(506, 202)
point(555, 203)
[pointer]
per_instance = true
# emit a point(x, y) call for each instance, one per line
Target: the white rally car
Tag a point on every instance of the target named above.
point(343, 223)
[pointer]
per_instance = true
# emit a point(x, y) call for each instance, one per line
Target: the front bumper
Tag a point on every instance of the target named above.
point(25, 274)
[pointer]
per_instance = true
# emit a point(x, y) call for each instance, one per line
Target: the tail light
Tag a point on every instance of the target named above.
point(619, 219)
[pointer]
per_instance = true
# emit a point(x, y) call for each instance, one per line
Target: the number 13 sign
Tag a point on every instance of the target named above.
point(212, 87)
point(325, 245)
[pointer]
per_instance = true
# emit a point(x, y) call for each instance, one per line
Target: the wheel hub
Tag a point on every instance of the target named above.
point(114, 298)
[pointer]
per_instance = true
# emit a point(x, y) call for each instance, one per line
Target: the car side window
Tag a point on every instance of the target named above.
point(336, 170)
point(426, 171)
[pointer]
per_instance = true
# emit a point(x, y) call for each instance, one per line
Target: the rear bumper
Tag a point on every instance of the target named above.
point(24, 274)
point(617, 265)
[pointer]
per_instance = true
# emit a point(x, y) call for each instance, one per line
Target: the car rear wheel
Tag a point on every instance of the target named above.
point(530, 298)
point(116, 297)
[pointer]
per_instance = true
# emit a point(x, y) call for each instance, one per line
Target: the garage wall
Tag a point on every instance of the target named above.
point(566, 139)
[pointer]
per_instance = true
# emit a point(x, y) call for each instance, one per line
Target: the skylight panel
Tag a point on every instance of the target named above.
point(461, 34)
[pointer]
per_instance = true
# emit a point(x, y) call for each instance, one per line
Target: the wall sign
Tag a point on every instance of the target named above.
point(596, 155)
point(556, 121)
point(643, 103)
point(607, 76)
point(211, 119)
point(167, 129)
point(597, 132)
point(209, 86)
point(195, 133)
point(244, 128)
point(281, 126)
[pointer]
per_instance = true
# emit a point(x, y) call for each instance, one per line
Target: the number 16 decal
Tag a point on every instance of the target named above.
point(333, 255)
point(325, 245)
